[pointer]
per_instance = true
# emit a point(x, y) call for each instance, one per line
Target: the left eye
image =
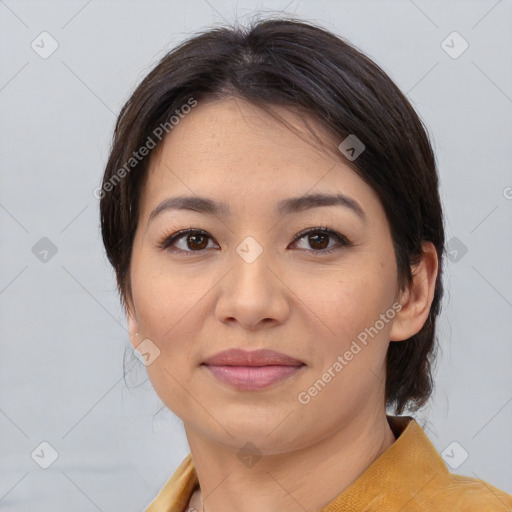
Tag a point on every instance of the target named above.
point(318, 237)
point(195, 240)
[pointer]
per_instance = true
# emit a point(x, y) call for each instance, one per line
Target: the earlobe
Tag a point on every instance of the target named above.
point(133, 328)
point(417, 299)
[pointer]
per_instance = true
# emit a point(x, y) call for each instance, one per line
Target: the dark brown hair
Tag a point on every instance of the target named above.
point(302, 67)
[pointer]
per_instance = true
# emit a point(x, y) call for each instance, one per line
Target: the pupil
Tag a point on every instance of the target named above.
point(194, 238)
point(324, 236)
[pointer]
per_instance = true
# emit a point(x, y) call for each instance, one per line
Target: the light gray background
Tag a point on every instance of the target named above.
point(63, 334)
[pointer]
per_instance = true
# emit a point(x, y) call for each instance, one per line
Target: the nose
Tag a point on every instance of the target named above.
point(253, 294)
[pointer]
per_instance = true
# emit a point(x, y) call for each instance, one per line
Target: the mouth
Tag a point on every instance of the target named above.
point(263, 357)
point(252, 370)
point(252, 377)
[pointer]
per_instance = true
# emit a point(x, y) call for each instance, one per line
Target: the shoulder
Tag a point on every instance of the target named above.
point(424, 482)
point(467, 494)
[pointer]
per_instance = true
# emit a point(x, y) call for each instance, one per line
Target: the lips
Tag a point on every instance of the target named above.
point(263, 357)
point(252, 371)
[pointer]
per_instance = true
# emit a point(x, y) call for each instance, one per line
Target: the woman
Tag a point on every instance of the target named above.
point(271, 209)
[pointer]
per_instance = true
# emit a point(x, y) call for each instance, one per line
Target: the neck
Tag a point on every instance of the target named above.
point(276, 482)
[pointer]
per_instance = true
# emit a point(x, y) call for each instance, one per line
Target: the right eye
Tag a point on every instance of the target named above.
point(192, 240)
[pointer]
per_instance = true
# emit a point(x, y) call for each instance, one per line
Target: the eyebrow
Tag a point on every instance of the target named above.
point(284, 207)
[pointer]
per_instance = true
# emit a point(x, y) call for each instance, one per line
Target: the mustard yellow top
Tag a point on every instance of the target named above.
point(410, 476)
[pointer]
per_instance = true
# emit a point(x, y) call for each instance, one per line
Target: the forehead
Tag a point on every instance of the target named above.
point(228, 128)
point(237, 152)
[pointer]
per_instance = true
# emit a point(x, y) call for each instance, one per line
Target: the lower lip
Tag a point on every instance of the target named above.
point(252, 377)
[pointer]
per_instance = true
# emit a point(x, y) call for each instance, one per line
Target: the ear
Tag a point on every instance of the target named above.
point(416, 300)
point(133, 327)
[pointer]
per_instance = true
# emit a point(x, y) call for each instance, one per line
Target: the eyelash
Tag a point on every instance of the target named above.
point(343, 242)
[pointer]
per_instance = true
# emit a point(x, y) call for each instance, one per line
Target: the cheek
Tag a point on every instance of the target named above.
point(356, 341)
point(167, 307)
point(349, 301)
point(164, 297)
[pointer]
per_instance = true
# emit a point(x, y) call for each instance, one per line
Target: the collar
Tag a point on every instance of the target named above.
point(409, 476)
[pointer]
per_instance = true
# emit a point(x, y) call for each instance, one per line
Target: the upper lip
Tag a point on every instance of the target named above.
point(263, 357)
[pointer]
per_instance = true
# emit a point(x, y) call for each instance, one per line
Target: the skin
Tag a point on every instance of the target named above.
point(292, 299)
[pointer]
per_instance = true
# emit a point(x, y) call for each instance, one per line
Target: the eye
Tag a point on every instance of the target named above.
point(318, 239)
point(196, 240)
point(192, 240)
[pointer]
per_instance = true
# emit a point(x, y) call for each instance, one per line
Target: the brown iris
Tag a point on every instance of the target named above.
point(323, 236)
point(197, 236)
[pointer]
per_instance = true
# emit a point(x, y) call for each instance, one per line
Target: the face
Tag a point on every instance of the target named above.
point(316, 282)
